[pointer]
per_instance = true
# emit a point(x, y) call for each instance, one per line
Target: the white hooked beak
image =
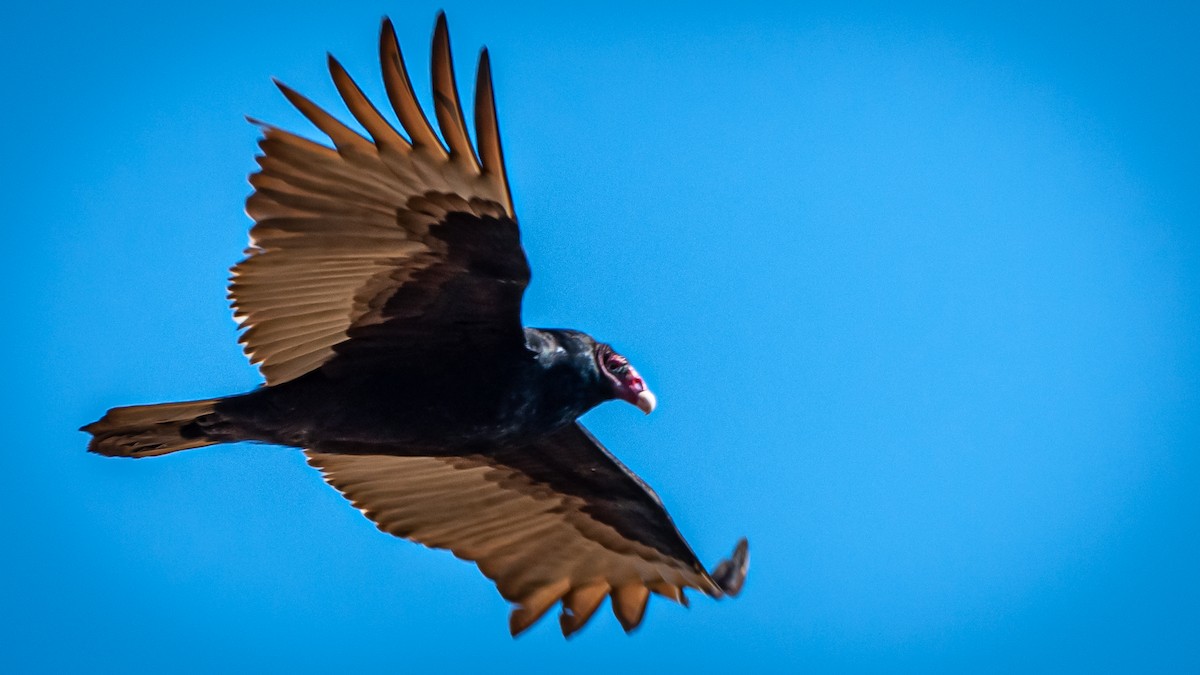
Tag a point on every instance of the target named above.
point(646, 401)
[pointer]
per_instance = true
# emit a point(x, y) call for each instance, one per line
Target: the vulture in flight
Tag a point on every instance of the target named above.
point(380, 297)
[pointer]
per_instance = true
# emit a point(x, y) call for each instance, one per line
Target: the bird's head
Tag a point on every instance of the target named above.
point(585, 371)
point(623, 379)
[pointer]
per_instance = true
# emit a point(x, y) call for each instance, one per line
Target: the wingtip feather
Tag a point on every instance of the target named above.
point(487, 129)
point(730, 574)
point(400, 92)
point(578, 606)
point(447, 106)
point(629, 605)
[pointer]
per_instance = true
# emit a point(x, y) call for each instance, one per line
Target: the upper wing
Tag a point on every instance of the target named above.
point(389, 243)
point(557, 520)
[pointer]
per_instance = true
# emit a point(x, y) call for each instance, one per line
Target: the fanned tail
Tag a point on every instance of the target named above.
point(150, 430)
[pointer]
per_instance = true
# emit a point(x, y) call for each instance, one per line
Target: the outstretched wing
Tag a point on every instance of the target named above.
point(557, 520)
point(381, 247)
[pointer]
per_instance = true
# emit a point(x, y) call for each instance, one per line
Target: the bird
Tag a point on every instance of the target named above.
point(380, 297)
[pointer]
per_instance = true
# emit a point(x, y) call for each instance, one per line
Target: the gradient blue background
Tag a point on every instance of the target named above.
point(919, 291)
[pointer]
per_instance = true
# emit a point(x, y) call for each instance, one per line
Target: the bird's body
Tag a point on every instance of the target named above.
point(381, 297)
point(452, 402)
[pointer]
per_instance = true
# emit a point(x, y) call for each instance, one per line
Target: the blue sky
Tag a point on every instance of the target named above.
point(919, 291)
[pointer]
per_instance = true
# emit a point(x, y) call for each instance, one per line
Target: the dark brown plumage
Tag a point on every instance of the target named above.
point(381, 298)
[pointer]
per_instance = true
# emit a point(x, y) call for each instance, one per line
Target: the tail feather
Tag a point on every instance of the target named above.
point(150, 430)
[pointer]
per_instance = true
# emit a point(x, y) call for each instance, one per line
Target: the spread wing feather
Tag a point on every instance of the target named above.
point(445, 100)
point(392, 241)
point(557, 520)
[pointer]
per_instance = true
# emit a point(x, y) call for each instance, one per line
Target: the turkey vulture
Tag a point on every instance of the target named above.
point(381, 298)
